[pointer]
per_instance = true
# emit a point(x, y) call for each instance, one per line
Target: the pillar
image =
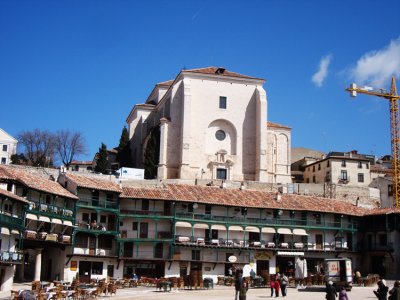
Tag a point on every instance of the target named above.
point(38, 264)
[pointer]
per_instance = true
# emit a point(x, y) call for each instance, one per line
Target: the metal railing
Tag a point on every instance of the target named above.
point(244, 220)
point(11, 256)
point(102, 203)
point(51, 210)
point(11, 221)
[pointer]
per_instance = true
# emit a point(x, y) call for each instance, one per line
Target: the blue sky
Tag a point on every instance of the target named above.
point(82, 65)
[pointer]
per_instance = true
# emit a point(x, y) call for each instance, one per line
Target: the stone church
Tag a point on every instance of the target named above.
point(209, 123)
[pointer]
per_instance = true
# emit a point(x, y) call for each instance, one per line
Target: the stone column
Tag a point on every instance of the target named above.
point(38, 264)
point(162, 165)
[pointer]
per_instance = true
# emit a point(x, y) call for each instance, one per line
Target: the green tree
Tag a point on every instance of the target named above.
point(124, 150)
point(101, 160)
point(152, 154)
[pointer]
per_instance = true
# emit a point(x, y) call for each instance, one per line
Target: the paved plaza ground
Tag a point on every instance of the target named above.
point(218, 293)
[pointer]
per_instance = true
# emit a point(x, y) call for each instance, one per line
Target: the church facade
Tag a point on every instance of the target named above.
point(209, 123)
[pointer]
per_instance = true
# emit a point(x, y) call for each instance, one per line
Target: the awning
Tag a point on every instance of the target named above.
point(44, 219)
point(67, 223)
point(235, 228)
point(15, 231)
point(268, 230)
point(299, 232)
point(218, 227)
point(56, 221)
point(183, 224)
point(201, 226)
point(284, 231)
point(252, 229)
point(287, 253)
point(5, 230)
point(31, 216)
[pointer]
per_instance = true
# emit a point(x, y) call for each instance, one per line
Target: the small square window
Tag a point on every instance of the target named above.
point(221, 174)
point(222, 102)
point(3, 160)
point(134, 226)
point(390, 190)
point(360, 177)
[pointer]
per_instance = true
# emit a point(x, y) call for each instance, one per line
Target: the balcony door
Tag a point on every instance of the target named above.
point(144, 230)
point(318, 241)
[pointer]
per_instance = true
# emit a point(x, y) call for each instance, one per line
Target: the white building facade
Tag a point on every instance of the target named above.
point(8, 147)
point(211, 124)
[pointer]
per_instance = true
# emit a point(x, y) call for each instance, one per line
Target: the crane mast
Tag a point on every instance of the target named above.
point(393, 98)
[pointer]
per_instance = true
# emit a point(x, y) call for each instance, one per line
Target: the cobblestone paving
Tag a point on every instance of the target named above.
point(218, 293)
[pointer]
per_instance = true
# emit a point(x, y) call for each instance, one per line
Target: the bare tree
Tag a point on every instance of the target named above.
point(39, 146)
point(68, 145)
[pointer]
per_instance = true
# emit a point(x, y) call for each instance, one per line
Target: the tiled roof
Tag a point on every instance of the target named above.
point(379, 169)
point(276, 125)
point(244, 198)
point(13, 196)
point(382, 211)
point(213, 71)
point(93, 183)
point(166, 83)
point(35, 182)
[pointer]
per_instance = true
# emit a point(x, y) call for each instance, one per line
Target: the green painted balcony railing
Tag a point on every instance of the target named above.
point(266, 222)
point(100, 203)
point(9, 221)
point(52, 211)
point(11, 257)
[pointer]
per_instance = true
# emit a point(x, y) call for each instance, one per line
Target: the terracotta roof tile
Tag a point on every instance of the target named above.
point(13, 196)
point(166, 83)
point(93, 183)
point(382, 211)
point(213, 70)
point(35, 182)
point(276, 125)
point(244, 198)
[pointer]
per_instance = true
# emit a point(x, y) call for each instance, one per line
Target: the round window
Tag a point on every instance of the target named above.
point(220, 135)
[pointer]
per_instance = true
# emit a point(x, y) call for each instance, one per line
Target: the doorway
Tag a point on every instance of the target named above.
point(85, 271)
point(262, 267)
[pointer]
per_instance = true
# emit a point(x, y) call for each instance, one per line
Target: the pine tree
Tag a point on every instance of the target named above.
point(101, 160)
point(124, 150)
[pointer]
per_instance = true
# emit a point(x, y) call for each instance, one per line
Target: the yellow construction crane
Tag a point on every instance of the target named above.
point(394, 128)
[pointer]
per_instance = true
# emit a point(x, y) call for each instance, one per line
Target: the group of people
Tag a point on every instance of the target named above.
point(381, 293)
point(383, 290)
point(279, 283)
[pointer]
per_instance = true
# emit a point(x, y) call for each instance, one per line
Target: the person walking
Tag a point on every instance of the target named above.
point(395, 291)
point(272, 285)
point(277, 287)
point(343, 294)
point(238, 282)
point(330, 291)
point(252, 277)
point(284, 283)
point(382, 291)
point(243, 289)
